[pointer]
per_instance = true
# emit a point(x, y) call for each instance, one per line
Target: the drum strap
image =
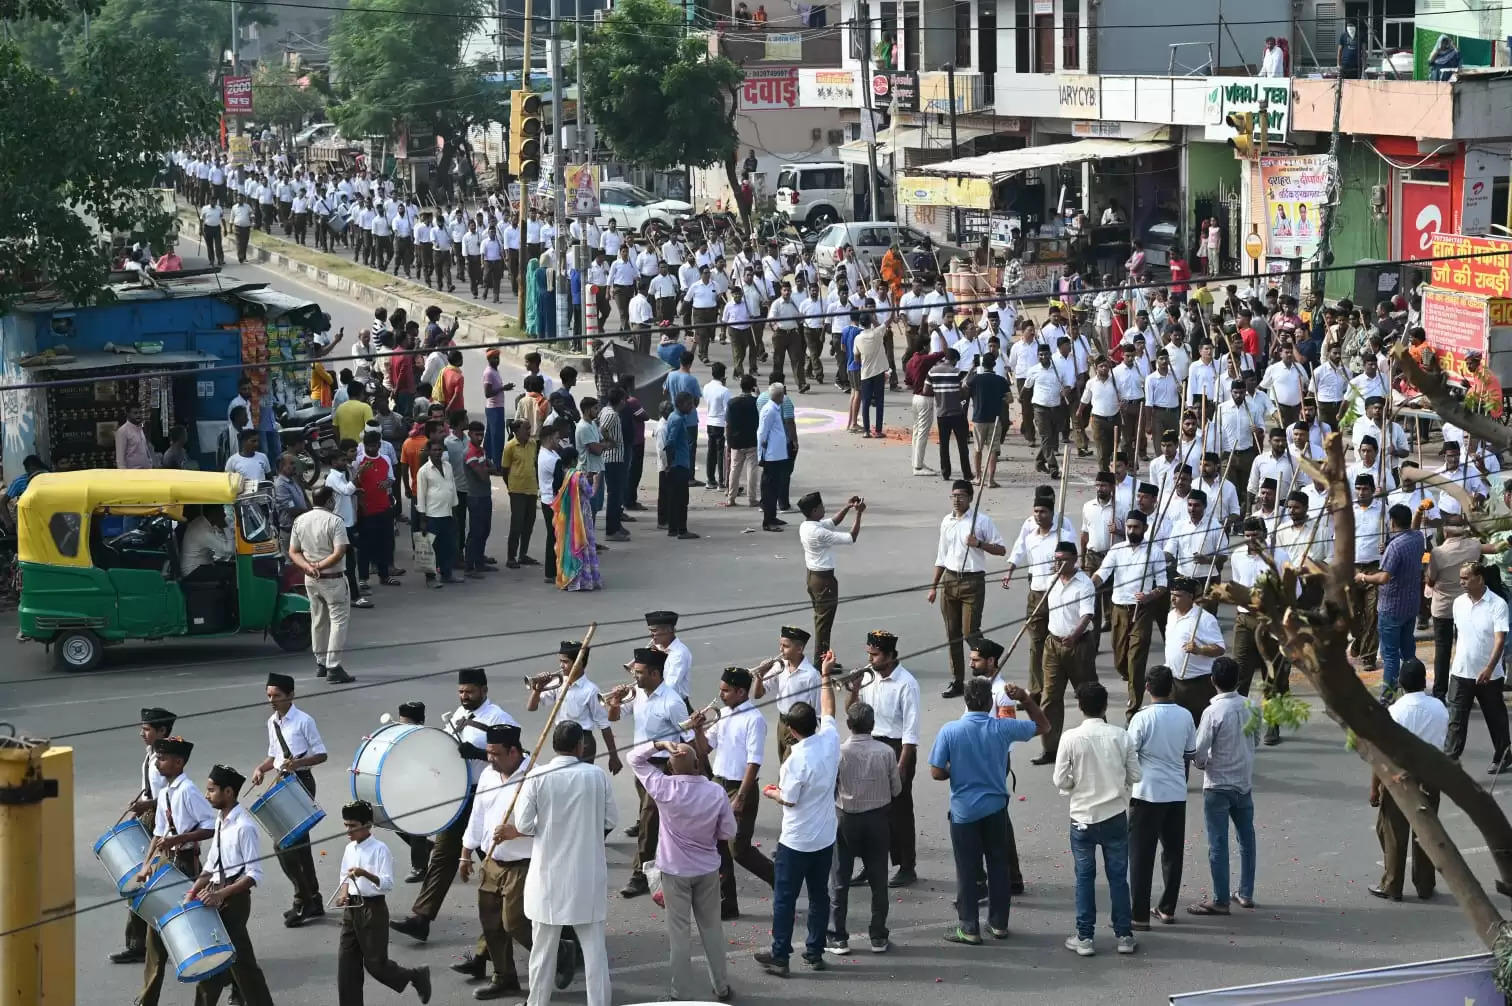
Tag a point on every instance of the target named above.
point(146, 779)
point(278, 732)
point(220, 858)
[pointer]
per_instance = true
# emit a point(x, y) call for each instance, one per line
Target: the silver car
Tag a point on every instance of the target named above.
point(870, 239)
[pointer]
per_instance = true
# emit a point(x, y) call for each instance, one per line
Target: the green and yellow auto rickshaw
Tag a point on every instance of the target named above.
point(102, 561)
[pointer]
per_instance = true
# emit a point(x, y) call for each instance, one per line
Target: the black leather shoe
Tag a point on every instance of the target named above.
point(1044, 758)
point(414, 927)
point(415, 876)
point(422, 981)
point(337, 676)
point(1377, 892)
point(131, 955)
point(635, 888)
point(472, 967)
point(903, 878)
point(954, 690)
point(497, 989)
point(566, 963)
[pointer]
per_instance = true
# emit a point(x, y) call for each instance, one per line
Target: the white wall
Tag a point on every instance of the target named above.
point(779, 136)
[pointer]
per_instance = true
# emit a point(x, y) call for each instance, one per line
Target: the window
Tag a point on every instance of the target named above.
point(64, 528)
point(1021, 35)
point(963, 33)
point(787, 180)
point(253, 519)
point(987, 44)
point(612, 197)
point(824, 178)
point(1071, 34)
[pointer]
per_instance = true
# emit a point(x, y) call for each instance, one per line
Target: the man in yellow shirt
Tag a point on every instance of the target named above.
point(520, 478)
point(351, 416)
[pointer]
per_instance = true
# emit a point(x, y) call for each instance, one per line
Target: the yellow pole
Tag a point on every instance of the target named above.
point(58, 973)
point(22, 791)
point(556, 110)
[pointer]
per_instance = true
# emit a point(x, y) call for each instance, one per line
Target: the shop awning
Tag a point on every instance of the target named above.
point(1005, 163)
point(907, 138)
point(95, 360)
point(276, 305)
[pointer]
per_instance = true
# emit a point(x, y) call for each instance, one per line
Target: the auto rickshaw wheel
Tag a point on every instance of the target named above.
point(293, 634)
point(78, 650)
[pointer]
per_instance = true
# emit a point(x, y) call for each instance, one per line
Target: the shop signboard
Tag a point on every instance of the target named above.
point(900, 87)
point(1425, 212)
point(769, 87)
point(240, 149)
point(962, 193)
point(1295, 190)
point(1079, 95)
point(829, 88)
point(1475, 272)
point(1227, 95)
point(1457, 325)
point(786, 46)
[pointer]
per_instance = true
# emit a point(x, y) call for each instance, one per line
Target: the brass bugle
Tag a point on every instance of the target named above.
point(687, 724)
point(618, 694)
point(547, 679)
point(866, 674)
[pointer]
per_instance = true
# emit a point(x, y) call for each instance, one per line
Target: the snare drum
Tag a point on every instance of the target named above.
point(122, 850)
point(287, 812)
point(413, 777)
point(164, 890)
point(196, 941)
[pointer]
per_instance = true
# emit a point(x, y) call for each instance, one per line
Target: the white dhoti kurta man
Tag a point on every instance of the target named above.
point(567, 806)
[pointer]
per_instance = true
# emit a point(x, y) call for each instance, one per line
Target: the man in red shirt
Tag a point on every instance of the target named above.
point(402, 371)
point(1180, 274)
point(375, 515)
point(449, 384)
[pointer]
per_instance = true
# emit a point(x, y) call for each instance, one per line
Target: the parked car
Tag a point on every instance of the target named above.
point(633, 208)
point(814, 194)
point(870, 238)
point(313, 134)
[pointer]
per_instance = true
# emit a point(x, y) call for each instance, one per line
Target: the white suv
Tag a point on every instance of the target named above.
point(632, 207)
point(814, 194)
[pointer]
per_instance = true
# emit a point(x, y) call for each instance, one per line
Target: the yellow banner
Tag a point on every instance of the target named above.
point(964, 193)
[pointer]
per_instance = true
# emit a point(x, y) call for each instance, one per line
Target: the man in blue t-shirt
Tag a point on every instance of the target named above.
point(852, 369)
point(972, 752)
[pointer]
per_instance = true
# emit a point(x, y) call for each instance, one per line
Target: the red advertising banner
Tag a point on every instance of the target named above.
point(1477, 272)
point(1425, 213)
point(768, 87)
point(1457, 324)
point(236, 95)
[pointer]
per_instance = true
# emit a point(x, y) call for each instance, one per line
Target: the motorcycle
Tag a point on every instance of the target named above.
point(309, 433)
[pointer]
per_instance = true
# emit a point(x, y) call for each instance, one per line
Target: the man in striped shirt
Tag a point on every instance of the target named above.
point(950, 412)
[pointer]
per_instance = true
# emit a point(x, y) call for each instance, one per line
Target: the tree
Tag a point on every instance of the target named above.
point(281, 98)
point(393, 73)
point(90, 152)
point(1315, 640)
point(655, 95)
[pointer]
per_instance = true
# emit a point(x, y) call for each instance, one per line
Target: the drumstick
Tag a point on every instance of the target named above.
point(556, 707)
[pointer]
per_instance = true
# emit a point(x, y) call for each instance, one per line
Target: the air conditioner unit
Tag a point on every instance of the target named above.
point(835, 137)
point(814, 134)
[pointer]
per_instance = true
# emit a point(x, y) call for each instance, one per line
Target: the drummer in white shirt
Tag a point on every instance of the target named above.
point(156, 723)
point(581, 705)
point(294, 747)
point(469, 723)
point(501, 882)
point(232, 868)
point(367, 876)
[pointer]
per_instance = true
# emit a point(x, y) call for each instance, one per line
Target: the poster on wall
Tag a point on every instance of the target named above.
point(1425, 212)
point(769, 87)
point(1461, 263)
point(1295, 190)
point(1457, 324)
point(829, 88)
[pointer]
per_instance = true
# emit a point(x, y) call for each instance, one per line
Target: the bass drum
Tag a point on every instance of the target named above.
point(337, 222)
point(413, 777)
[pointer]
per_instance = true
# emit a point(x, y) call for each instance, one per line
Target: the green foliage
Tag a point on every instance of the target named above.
point(393, 72)
point(1501, 955)
point(656, 97)
point(85, 152)
point(1286, 710)
point(278, 98)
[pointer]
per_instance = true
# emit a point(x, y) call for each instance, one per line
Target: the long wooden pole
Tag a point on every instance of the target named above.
point(556, 707)
point(1208, 579)
point(976, 505)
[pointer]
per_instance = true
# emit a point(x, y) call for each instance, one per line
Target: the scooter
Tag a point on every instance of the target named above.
point(309, 434)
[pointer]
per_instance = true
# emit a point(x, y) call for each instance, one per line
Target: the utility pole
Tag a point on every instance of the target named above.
point(1330, 205)
point(871, 120)
point(955, 218)
point(559, 170)
point(236, 121)
point(584, 157)
point(524, 184)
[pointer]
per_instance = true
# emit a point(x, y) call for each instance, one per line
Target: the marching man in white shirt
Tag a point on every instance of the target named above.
point(501, 882)
point(232, 869)
point(893, 694)
point(1193, 640)
point(961, 566)
point(367, 876)
point(292, 730)
point(737, 742)
point(582, 704)
point(792, 675)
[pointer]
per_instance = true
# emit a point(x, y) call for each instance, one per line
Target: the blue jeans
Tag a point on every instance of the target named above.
point(1396, 634)
point(445, 545)
point(479, 524)
point(596, 501)
point(872, 390)
point(615, 473)
point(794, 870)
point(1218, 807)
point(971, 841)
point(1113, 836)
point(494, 435)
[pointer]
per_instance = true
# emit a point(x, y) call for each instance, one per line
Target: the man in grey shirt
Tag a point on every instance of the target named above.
point(1226, 754)
point(865, 785)
point(1165, 741)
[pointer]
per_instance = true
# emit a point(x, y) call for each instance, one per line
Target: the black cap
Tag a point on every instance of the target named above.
point(156, 716)
point(1368, 440)
point(667, 618)
point(282, 682)
point(175, 746)
point(1138, 515)
point(650, 658)
point(1185, 584)
point(570, 648)
point(507, 734)
point(1106, 477)
point(882, 638)
point(225, 775)
point(1065, 548)
point(985, 646)
point(473, 676)
point(1169, 437)
point(1044, 494)
point(1374, 400)
point(360, 811)
point(794, 633)
point(413, 711)
point(1364, 479)
point(1148, 489)
point(736, 677)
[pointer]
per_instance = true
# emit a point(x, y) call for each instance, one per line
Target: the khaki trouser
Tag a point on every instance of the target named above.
point(741, 348)
point(1132, 624)
point(1064, 664)
point(1392, 829)
point(824, 595)
point(691, 899)
point(1037, 628)
point(330, 604)
point(789, 342)
point(813, 356)
point(923, 424)
point(1364, 642)
point(649, 822)
point(501, 909)
point(244, 970)
point(740, 850)
point(1102, 440)
point(364, 947)
point(1193, 694)
point(157, 954)
point(962, 596)
point(1248, 653)
point(743, 468)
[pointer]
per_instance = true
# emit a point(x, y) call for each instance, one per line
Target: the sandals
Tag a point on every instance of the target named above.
point(1207, 908)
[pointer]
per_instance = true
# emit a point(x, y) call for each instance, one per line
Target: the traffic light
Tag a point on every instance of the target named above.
point(1243, 125)
point(524, 135)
